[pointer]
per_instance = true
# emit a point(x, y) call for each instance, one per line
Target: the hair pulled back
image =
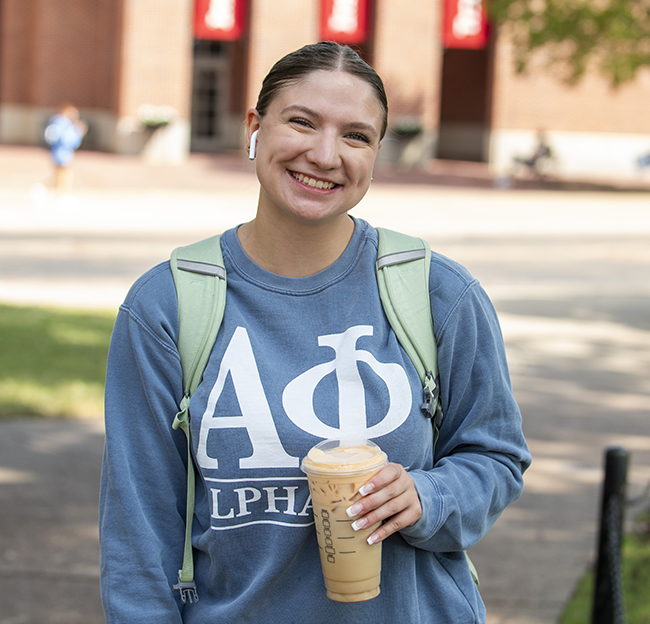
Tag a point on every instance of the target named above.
point(328, 56)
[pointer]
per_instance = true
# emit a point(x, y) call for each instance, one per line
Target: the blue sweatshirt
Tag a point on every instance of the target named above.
point(298, 360)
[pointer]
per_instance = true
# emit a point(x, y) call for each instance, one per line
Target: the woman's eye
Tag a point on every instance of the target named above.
point(301, 122)
point(358, 136)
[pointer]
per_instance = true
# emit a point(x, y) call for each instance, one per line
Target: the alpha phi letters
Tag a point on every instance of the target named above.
point(285, 500)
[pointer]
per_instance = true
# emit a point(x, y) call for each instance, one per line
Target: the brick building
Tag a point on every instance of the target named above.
point(125, 63)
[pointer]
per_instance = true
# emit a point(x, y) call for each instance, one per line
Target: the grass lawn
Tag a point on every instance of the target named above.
point(53, 361)
point(636, 582)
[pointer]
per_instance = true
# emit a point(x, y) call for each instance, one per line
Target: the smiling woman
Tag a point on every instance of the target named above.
point(320, 117)
point(316, 148)
point(305, 349)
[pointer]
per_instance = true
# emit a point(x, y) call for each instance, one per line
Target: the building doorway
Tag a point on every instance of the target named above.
point(210, 96)
point(465, 104)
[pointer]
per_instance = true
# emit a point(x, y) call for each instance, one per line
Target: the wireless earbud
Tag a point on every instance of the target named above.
point(251, 149)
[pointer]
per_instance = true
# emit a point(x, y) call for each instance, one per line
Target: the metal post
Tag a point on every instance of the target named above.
point(608, 605)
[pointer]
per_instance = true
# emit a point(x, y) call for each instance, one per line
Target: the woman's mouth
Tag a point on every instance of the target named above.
point(313, 182)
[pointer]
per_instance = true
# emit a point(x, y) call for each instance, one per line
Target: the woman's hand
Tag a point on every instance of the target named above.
point(389, 496)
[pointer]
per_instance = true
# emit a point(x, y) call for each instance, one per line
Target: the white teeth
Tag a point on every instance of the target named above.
point(312, 182)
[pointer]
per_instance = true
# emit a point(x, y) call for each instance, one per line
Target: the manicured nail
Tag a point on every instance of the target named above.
point(359, 524)
point(353, 511)
point(372, 539)
point(364, 490)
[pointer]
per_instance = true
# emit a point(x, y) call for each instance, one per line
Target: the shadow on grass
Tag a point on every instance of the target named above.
point(53, 361)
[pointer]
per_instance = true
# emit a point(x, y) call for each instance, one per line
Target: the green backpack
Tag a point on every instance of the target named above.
point(402, 268)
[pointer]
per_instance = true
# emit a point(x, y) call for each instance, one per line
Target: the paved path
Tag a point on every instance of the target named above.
point(568, 272)
point(49, 475)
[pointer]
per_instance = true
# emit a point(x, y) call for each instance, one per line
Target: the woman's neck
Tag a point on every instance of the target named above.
point(297, 251)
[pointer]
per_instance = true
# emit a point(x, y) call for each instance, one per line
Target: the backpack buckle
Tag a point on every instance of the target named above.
point(187, 590)
point(431, 394)
point(427, 404)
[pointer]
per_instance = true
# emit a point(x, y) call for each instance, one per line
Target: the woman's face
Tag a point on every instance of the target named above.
point(316, 147)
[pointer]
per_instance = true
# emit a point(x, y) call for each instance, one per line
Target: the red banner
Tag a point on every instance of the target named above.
point(219, 19)
point(465, 24)
point(344, 21)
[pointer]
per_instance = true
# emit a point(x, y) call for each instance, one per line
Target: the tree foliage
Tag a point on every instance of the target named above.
point(614, 35)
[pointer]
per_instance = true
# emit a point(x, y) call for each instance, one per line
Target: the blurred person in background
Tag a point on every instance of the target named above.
point(540, 156)
point(64, 133)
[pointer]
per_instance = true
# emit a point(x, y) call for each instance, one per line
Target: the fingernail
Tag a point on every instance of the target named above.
point(353, 511)
point(364, 490)
point(359, 524)
point(372, 539)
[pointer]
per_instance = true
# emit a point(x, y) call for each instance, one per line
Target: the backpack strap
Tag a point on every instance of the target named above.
point(200, 280)
point(403, 266)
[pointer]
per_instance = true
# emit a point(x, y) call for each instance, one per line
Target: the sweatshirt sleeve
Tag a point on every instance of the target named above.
point(143, 483)
point(481, 453)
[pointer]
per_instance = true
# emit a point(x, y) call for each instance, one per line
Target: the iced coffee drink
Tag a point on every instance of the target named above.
point(336, 471)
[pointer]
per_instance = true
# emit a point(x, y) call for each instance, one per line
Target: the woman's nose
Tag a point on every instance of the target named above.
point(325, 152)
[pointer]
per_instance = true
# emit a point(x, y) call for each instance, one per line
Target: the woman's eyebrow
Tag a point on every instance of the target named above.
point(302, 109)
point(354, 125)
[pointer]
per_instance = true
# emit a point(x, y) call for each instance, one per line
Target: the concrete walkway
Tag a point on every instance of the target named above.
point(49, 476)
point(567, 270)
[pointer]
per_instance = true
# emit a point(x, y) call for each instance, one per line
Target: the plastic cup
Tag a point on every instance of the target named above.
point(336, 470)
